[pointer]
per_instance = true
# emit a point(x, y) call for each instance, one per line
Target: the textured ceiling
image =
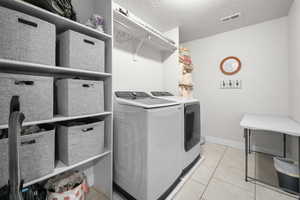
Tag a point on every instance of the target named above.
point(201, 18)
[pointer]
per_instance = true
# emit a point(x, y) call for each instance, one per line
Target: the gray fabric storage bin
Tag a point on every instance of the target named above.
point(35, 92)
point(37, 156)
point(80, 142)
point(26, 38)
point(79, 51)
point(79, 97)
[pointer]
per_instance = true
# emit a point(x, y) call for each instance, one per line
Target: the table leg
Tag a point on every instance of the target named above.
point(246, 153)
point(299, 163)
point(249, 141)
point(284, 145)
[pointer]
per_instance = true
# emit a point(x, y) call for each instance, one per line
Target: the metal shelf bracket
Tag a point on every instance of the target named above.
point(139, 46)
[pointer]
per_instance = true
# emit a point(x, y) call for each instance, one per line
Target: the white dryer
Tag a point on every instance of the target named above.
point(190, 128)
point(147, 163)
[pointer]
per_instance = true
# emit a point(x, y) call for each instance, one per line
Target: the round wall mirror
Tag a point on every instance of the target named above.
point(230, 65)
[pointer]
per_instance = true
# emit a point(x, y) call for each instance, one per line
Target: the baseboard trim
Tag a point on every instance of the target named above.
point(225, 142)
point(241, 145)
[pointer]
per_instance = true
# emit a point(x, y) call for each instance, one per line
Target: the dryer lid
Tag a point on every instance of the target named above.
point(142, 99)
point(171, 97)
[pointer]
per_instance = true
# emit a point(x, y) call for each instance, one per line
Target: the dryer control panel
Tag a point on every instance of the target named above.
point(132, 95)
point(161, 94)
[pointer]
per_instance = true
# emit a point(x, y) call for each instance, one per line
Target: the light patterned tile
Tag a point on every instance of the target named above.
point(218, 189)
point(191, 190)
point(265, 169)
point(95, 195)
point(236, 158)
point(212, 148)
point(232, 169)
point(117, 196)
point(203, 173)
point(233, 176)
point(212, 154)
point(212, 159)
point(263, 193)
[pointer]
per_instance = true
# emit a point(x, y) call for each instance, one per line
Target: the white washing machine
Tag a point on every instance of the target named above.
point(190, 128)
point(147, 141)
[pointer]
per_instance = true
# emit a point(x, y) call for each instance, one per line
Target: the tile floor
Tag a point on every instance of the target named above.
point(221, 176)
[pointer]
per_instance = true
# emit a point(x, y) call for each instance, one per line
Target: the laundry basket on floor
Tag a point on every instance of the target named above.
point(288, 174)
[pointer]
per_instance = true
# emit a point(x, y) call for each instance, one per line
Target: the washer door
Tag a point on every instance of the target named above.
point(192, 133)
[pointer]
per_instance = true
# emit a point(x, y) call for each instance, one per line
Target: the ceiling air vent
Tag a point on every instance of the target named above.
point(231, 17)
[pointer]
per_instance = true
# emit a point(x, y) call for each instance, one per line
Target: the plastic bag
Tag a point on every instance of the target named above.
point(97, 22)
point(67, 186)
point(77, 193)
point(60, 7)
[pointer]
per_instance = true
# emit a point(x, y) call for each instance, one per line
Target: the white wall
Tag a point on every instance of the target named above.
point(86, 8)
point(294, 59)
point(145, 74)
point(294, 69)
point(263, 51)
point(171, 65)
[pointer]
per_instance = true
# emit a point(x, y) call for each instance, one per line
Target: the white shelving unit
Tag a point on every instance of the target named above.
point(59, 118)
point(62, 24)
point(142, 32)
point(100, 165)
point(61, 168)
point(47, 70)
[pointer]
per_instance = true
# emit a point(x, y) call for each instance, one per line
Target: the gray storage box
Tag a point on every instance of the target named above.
point(26, 38)
point(79, 51)
point(80, 142)
point(79, 97)
point(35, 92)
point(36, 156)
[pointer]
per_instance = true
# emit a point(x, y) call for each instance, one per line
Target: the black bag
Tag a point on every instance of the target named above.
point(35, 192)
point(60, 7)
point(4, 193)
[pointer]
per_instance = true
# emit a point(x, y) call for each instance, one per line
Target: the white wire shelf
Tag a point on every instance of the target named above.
point(136, 30)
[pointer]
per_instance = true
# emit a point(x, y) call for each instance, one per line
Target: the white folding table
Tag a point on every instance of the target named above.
point(275, 124)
